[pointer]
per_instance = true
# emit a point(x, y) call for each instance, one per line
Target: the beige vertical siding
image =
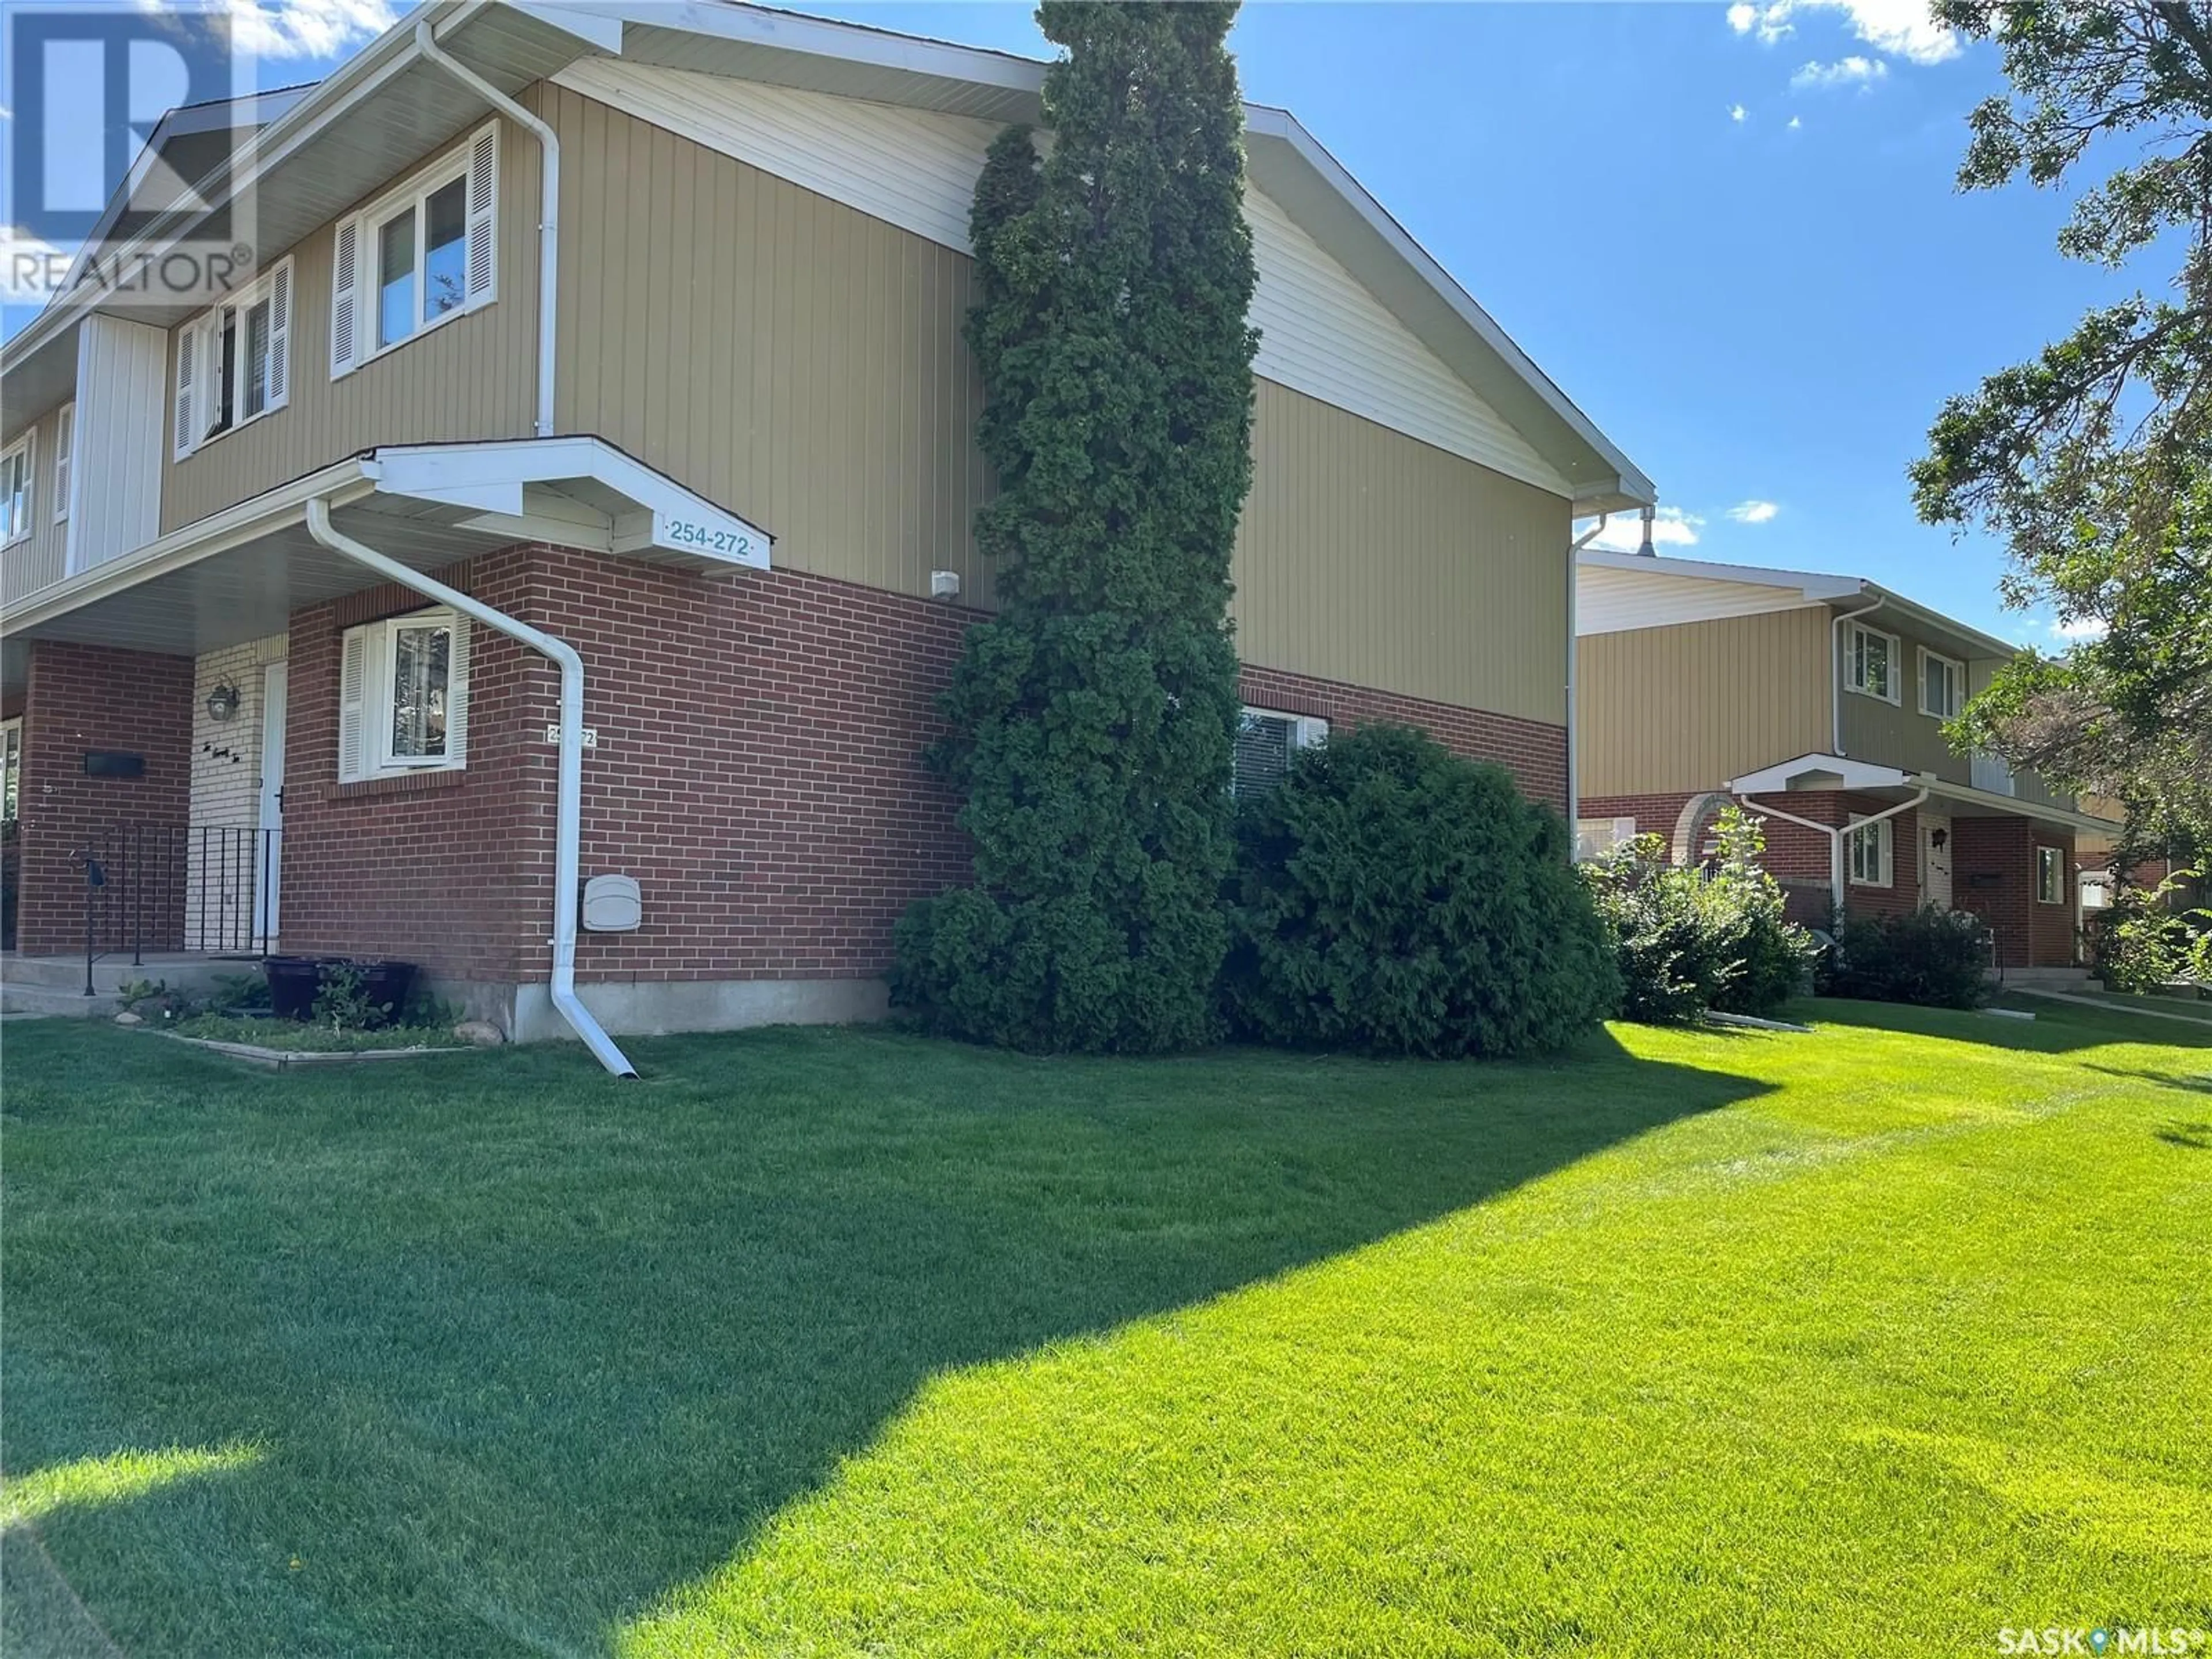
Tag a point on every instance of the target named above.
point(33, 563)
point(1899, 734)
point(1368, 556)
point(787, 356)
point(1692, 705)
point(474, 377)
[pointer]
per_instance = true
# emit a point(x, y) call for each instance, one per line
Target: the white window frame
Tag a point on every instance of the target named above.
point(1596, 837)
point(1880, 833)
point(65, 459)
point(1307, 730)
point(1957, 676)
point(28, 448)
point(1855, 662)
point(11, 769)
point(367, 668)
point(196, 396)
point(2057, 855)
point(356, 304)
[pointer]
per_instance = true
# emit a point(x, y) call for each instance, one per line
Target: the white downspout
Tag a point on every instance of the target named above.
point(1835, 833)
point(549, 207)
point(1836, 673)
point(568, 798)
point(1574, 747)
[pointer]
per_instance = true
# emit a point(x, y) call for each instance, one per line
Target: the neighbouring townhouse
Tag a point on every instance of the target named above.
point(1819, 703)
point(541, 570)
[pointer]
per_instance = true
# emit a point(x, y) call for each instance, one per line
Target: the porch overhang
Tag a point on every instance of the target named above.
point(238, 574)
point(1890, 783)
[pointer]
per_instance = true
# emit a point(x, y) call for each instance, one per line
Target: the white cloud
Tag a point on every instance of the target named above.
point(30, 267)
point(2081, 627)
point(1901, 27)
point(1852, 71)
point(1753, 511)
point(1795, 123)
point(301, 29)
point(1673, 527)
point(1736, 111)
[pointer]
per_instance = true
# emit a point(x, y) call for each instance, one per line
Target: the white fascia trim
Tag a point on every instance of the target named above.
point(819, 37)
point(490, 477)
point(1810, 586)
point(249, 520)
point(1629, 481)
point(2015, 806)
point(1851, 775)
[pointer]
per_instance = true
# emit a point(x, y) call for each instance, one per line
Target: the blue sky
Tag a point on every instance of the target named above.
point(1729, 233)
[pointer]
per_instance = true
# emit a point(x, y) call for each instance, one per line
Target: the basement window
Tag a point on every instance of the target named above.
point(1868, 848)
point(1266, 740)
point(404, 697)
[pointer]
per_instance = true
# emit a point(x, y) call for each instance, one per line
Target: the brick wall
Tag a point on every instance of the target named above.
point(81, 697)
point(1993, 875)
point(757, 769)
point(1535, 753)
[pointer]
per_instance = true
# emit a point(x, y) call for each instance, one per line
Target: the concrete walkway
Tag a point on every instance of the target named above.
point(2115, 1005)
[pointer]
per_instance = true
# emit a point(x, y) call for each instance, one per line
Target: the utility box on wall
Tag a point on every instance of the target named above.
point(610, 905)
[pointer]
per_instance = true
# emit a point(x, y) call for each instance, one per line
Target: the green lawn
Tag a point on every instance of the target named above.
point(1871, 1341)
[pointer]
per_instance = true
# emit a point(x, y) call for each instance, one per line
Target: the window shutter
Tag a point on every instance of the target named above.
point(188, 425)
point(483, 214)
point(64, 450)
point(457, 695)
point(215, 384)
point(345, 280)
point(280, 336)
point(353, 677)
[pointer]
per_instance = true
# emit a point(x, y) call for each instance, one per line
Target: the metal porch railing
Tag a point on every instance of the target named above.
point(206, 887)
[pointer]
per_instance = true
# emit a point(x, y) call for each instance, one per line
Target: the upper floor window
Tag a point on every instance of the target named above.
point(15, 464)
point(1870, 662)
point(64, 451)
point(1942, 685)
point(423, 255)
point(234, 361)
point(404, 697)
point(1266, 740)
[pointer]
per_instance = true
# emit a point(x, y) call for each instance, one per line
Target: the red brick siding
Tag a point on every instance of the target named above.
point(1535, 753)
point(81, 697)
point(757, 769)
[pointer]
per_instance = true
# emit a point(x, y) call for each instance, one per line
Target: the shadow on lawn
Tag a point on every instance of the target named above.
point(2058, 1028)
point(521, 1348)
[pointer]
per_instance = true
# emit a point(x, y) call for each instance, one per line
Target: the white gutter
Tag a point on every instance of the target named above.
point(1836, 671)
point(568, 801)
point(548, 205)
point(1835, 833)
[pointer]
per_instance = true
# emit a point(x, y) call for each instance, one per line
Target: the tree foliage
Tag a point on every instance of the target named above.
point(1393, 898)
point(2094, 461)
point(1092, 717)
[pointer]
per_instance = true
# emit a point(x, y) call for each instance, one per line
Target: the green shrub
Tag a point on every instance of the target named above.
point(2140, 942)
point(1392, 899)
point(1691, 940)
point(1935, 958)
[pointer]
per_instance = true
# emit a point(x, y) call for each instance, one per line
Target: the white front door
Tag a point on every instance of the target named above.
point(1936, 861)
point(269, 863)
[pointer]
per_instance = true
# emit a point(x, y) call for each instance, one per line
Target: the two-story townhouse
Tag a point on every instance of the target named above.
point(1819, 703)
point(583, 487)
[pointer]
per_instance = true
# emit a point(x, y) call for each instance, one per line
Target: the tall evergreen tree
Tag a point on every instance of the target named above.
point(1093, 717)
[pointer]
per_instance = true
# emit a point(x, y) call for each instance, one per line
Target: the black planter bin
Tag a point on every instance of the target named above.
point(294, 981)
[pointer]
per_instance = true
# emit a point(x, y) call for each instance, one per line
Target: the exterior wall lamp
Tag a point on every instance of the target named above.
point(222, 702)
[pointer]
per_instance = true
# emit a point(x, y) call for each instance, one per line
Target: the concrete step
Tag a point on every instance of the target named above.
point(111, 973)
point(52, 1003)
point(2057, 979)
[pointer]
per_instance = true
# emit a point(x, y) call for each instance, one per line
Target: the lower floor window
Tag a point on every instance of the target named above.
point(1868, 851)
point(2050, 875)
point(404, 697)
point(11, 769)
point(1266, 740)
